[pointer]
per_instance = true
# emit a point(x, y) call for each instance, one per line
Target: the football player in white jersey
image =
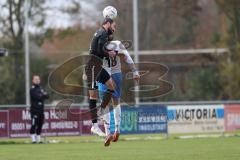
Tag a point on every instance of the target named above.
point(116, 75)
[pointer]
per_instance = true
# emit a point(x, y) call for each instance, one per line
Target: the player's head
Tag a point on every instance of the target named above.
point(110, 37)
point(36, 79)
point(110, 25)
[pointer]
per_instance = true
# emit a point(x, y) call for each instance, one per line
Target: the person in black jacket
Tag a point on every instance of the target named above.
point(38, 95)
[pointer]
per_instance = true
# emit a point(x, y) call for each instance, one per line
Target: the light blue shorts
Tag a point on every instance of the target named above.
point(117, 78)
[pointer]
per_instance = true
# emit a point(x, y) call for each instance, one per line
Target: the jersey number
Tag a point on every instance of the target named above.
point(113, 61)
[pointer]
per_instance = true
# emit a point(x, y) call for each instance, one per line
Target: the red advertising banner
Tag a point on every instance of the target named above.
point(4, 123)
point(232, 117)
point(58, 122)
point(17, 122)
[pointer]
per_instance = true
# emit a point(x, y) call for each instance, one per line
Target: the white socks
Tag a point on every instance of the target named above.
point(117, 117)
point(95, 124)
point(106, 119)
point(38, 138)
point(35, 138)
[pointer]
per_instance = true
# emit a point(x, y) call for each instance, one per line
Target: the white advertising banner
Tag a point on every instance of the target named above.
point(195, 118)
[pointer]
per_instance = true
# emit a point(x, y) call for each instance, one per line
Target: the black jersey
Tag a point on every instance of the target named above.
point(37, 99)
point(99, 39)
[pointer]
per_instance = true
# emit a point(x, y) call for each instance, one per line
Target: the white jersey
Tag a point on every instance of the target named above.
point(115, 62)
point(107, 65)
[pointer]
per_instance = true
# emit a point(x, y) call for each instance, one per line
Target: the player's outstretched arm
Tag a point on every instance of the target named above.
point(128, 59)
point(119, 47)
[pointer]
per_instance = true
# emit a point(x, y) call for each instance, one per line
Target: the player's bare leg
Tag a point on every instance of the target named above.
point(107, 96)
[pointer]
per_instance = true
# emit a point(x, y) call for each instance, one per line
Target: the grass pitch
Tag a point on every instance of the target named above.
point(134, 147)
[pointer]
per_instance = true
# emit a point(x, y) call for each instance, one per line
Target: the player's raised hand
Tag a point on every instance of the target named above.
point(136, 76)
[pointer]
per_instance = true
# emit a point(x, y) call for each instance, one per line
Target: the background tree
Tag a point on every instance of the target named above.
point(229, 67)
point(12, 29)
point(12, 35)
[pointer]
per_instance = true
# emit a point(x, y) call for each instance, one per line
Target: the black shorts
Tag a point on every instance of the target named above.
point(92, 72)
point(103, 76)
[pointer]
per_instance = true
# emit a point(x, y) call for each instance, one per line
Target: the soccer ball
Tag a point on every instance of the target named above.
point(110, 12)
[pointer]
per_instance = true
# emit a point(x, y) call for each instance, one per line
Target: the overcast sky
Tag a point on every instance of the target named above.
point(89, 15)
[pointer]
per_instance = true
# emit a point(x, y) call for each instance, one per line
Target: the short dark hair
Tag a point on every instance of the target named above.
point(106, 20)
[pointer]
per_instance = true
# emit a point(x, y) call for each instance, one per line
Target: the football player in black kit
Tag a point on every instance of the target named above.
point(38, 95)
point(95, 71)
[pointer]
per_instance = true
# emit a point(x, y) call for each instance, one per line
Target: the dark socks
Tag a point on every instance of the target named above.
point(93, 110)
